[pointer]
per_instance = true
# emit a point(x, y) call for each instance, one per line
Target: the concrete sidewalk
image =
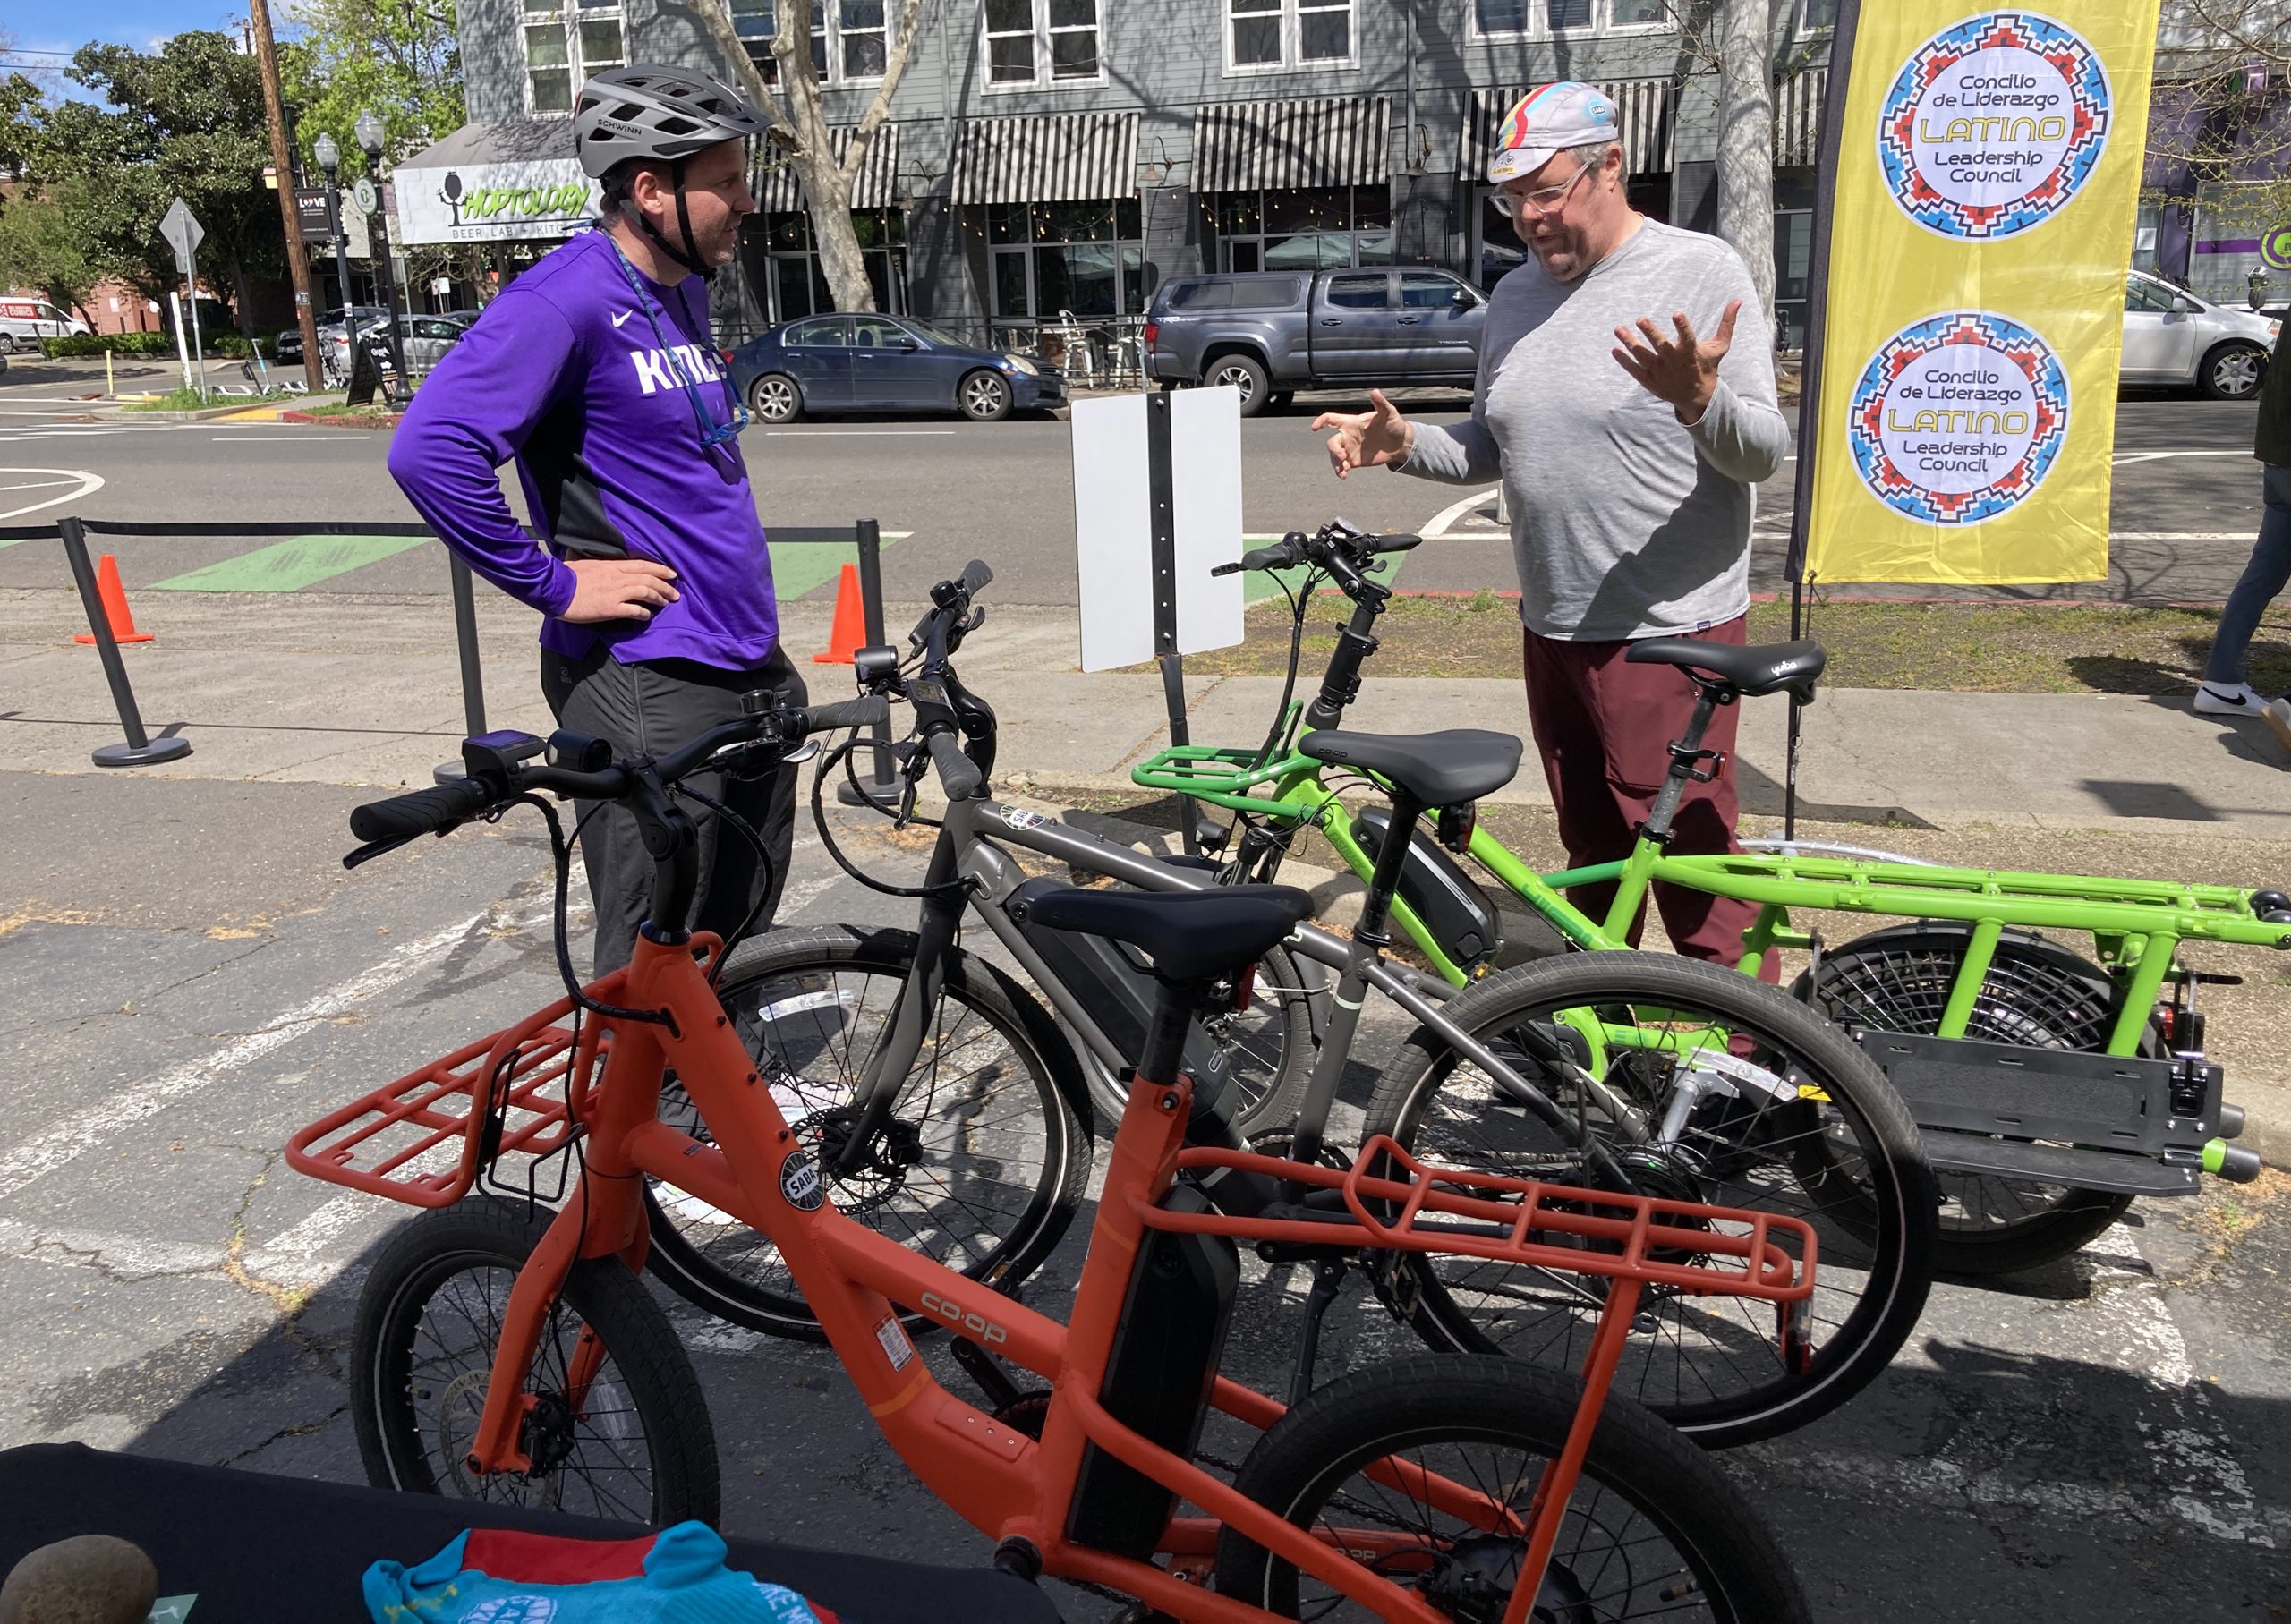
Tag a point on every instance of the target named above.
point(310, 688)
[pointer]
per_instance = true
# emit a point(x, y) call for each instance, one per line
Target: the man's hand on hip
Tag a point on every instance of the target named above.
point(1367, 439)
point(1680, 369)
point(618, 589)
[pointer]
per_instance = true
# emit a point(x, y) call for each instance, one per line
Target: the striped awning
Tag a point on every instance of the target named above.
point(1054, 157)
point(780, 191)
point(1798, 117)
point(1242, 146)
point(1645, 105)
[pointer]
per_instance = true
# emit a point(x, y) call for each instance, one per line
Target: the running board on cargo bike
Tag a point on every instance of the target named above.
point(2126, 1125)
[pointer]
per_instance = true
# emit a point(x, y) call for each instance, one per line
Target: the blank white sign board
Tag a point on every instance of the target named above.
point(1113, 523)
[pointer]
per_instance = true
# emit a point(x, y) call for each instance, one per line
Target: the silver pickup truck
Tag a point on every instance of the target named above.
point(1268, 333)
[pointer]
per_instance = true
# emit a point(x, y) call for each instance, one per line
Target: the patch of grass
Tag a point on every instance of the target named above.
point(191, 400)
point(1983, 648)
point(338, 411)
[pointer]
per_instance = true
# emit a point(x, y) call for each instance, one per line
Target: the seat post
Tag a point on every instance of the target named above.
point(1686, 754)
point(1384, 880)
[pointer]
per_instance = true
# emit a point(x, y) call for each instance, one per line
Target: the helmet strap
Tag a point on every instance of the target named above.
point(688, 256)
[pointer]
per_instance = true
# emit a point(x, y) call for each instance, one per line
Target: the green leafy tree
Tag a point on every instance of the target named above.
point(185, 121)
point(39, 250)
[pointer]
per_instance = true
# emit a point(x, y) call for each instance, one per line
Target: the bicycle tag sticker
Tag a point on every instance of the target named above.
point(800, 1181)
point(896, 1349)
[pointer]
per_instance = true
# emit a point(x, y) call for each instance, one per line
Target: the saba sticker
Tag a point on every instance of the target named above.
point(1958, 418)
point(1994, 124)
point(800, 1181)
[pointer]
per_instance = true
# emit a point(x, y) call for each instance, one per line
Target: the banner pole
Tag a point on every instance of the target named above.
point(1160, 484)
point(1809, 370)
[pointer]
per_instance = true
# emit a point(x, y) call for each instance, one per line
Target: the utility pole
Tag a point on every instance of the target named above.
point(282, 161)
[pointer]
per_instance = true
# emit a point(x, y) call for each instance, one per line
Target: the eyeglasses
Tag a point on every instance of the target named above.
point(1541, 202)
point(712, 433)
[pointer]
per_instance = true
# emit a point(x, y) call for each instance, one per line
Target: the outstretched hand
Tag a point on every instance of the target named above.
point(1678, 368)
point(1366, 440)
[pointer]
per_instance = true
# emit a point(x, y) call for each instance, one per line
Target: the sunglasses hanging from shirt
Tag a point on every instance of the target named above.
point(712, 433)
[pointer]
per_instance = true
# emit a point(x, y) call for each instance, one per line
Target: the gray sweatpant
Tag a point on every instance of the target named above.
point(650, 708)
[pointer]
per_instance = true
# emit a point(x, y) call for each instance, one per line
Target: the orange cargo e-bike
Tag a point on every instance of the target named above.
point(506, 1349)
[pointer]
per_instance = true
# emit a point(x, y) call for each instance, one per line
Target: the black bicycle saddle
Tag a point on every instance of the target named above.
point(1760, 668)
point(1191, 936)
point(1438, 769)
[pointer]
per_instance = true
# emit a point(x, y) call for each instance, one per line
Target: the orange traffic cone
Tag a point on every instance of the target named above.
point(849, 633)
point(114, 599)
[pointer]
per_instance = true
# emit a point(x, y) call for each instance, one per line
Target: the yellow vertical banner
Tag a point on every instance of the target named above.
point(1986, 176)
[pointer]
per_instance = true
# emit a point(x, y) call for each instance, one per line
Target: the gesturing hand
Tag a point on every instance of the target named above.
point(1366, 440)
point(618, 589)
point(1682, 370)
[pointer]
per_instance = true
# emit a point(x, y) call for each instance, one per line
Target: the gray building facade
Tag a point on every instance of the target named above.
point(1047, 157)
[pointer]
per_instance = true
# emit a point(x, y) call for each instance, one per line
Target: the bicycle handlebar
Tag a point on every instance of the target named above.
point(1335, 539)
point(424, 812)
point(958, 776)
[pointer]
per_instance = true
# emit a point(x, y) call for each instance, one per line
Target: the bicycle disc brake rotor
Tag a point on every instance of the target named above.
point(890, 1154)
point(1472, 1582)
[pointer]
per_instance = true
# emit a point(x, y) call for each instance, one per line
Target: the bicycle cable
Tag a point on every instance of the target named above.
point(770, 869)
point(835, 851)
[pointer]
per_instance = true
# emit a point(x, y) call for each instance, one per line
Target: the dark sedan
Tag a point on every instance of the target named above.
point(885, 364)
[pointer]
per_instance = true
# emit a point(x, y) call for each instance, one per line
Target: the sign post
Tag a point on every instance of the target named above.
point(183, 233)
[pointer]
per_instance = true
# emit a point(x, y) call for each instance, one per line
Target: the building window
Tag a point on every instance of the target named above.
point(1046, 260)
point(565, 44)
point(793, 282)
point(1037, 43)
point(1516, 19)
point(1817, 16)
point(1265, 35)
point(1305, 228)
point(849, 38)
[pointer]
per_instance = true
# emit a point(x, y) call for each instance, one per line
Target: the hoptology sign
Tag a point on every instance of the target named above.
point(545, 198)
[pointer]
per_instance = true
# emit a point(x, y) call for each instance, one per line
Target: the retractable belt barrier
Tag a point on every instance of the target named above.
point(140, 749)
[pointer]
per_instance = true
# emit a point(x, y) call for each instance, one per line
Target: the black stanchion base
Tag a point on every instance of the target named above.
point(884, 794)
point(123, 755)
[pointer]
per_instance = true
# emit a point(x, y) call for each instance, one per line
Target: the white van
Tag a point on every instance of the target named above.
point(24, 322)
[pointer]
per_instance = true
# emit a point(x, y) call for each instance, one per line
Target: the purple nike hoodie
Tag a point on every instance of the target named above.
point(566, 375)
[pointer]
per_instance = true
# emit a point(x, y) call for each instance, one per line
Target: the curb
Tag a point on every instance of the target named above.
point(388, 419)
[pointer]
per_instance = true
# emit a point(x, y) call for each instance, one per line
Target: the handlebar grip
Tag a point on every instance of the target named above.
point(958, 774)
point(423, 812)
point(1274, 557)
point(1396, 544)
point(861, 712)
point(977, 575)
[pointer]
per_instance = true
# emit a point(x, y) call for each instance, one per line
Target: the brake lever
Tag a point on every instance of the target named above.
point(376, 848)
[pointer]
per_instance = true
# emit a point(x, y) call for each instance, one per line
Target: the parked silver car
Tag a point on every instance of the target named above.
point(2171, 337)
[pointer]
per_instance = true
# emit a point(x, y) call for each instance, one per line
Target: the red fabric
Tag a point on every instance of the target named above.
point(549, 1559)
point(1604, 728)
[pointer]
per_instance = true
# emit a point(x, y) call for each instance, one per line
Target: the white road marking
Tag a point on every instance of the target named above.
point(63, 1143)
point(82, 483)
point(2184, 535)
point(800, 433)
point(1454, 511)
point(287, 439)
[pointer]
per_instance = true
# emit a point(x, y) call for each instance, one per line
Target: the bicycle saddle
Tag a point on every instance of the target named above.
point(1761, 668)
point(1438, 769)
point(1191, 936)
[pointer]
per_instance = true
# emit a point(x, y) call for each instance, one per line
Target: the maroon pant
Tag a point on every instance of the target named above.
point(1603, 728)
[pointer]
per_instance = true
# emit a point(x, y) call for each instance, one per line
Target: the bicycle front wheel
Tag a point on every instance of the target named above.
point(1653, 1530)
point(1782, 1113)
point(625, 1435)
point(979, 1164)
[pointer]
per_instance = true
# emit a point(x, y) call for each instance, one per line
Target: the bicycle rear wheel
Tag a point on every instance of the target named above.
point(979, 1166)
point(1792, 1119)
point(2035, 995)
point(1654, 1528)
point(632, 1441)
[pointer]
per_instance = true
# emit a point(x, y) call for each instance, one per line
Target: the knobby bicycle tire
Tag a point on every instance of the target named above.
point(1701, 1554)
point(1873, 1200)
point(735, 1273)
point(414, 1421)
point(2036, 994)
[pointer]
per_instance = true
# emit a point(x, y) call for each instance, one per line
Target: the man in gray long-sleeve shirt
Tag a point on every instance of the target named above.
point(1628, 447)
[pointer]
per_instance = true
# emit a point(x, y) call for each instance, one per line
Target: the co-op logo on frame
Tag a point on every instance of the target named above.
point(1991, 128)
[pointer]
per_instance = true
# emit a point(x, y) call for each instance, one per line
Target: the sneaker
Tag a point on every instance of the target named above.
point(2278, 716)
point(2227, 699)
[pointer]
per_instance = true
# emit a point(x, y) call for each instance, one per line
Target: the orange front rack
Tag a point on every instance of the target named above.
point(516, 1094)
point(1388, 1193)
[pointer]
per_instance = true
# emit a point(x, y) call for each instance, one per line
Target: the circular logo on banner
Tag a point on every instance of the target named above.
point(2275, 249)
point(1993, 125)
point(1958, 418)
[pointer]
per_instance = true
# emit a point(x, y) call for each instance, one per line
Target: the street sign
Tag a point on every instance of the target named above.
point(183, 233)
point(367, 199)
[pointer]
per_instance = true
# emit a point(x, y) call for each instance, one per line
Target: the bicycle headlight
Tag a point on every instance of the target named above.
point(1019, 364)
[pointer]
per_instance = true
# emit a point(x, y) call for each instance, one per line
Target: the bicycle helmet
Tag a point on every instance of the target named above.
point(649, 110)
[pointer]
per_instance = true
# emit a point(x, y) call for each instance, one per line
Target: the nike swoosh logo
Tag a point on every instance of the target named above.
point(624, 316)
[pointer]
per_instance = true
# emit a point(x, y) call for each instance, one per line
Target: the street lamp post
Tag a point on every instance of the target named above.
point(370, 134)
point(329, 156)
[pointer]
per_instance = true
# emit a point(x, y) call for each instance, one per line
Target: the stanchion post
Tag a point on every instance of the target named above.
point(472, 673)
point(882, 785)
point(140, 750)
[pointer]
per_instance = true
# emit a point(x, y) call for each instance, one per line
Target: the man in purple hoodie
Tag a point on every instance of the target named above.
point(595, 372)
